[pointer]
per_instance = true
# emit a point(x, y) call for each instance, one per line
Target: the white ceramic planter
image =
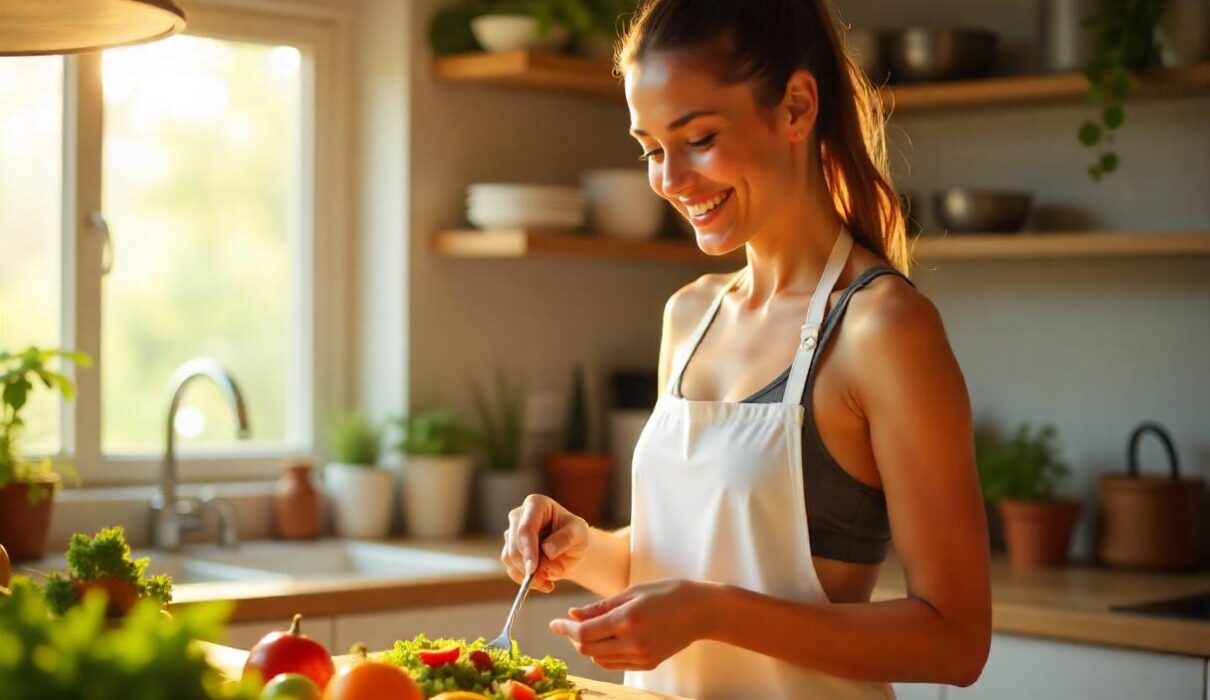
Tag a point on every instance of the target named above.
point(433, 494)
point(360, 499)
point(500, 492)
point(511, 32)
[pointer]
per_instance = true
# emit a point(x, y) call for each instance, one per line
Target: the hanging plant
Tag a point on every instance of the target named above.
point(1122, 37)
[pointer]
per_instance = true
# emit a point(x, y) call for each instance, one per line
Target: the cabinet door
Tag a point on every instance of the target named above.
point(1024, 667)
point(242, 635)
point(919, 691)
point(378, 631)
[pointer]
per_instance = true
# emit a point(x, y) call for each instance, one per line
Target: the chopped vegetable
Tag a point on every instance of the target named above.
point(105, 560)
point(435, 658)
point(476, 668)
point(532, 674)
point(515, 690)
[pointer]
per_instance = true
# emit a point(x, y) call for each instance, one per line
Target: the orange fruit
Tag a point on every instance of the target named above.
point(372, 680)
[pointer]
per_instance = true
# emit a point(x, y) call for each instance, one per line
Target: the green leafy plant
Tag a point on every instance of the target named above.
point(433, 433)
point(73, 656)
point(1025, 467)
point(500, 433)
point(575, 438)
point(354, 440)
point(20, 374)
point(1122, 37)
point(105, 555)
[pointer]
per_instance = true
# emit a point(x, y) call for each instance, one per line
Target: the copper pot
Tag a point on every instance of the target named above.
point(1149, 521)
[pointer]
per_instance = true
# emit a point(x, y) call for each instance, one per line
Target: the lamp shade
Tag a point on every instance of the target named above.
point(35, 27)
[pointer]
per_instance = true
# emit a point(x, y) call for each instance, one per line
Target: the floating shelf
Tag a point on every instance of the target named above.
point(571, 74)
point(519, 243)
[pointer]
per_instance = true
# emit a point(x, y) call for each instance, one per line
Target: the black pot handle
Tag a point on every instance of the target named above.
point(1132, 453)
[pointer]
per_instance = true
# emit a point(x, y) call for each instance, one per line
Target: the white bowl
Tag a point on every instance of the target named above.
point(511, 32)
point(495, 218)
point(622, 204)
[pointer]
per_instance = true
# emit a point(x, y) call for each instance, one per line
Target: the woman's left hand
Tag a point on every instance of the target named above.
point(638, 628)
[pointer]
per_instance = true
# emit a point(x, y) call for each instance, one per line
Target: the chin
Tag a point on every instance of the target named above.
point(718, 243)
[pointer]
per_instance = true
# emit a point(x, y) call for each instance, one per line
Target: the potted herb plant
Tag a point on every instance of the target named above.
point(1022, 475)
point(27, 486)
point(436, 473)
point(579, 479)
point(503, 482)
point(358, 491)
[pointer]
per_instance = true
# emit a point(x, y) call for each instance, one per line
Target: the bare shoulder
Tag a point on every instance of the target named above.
point(689, 303)
point(890, 327)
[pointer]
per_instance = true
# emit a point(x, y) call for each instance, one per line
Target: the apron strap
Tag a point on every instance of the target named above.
point(809, 337)
point(682, 361)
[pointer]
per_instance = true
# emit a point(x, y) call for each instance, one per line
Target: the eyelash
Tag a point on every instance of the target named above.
point(701, 143)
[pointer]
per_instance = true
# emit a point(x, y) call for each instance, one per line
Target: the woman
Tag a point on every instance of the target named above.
point(762, 509)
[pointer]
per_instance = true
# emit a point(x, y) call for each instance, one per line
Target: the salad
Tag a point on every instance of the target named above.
point(448, 666)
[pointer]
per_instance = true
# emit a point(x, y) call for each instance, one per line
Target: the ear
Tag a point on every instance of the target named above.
point(800, 105)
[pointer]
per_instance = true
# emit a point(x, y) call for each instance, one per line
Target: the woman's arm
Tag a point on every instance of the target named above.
point(913, 396)
point(606, 566)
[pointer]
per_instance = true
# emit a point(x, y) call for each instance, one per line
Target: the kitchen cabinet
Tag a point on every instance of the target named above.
point(1023, 667)
point(242, 635)
point(380, 630)
point(919, 691)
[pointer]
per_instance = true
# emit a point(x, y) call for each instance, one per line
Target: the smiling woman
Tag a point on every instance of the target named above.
point(812, 408)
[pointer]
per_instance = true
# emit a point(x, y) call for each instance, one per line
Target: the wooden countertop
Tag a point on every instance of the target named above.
point(230, 662)
point(1071, 604)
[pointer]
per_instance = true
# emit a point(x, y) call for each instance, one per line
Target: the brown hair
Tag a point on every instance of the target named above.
point(766, 41)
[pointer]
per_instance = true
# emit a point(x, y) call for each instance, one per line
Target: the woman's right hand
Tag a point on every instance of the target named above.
point(561, 550)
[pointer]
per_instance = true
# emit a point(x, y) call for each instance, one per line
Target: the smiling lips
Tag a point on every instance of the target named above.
point(700, 208)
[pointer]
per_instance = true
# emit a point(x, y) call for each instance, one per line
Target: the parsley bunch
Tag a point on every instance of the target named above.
point(105, 555)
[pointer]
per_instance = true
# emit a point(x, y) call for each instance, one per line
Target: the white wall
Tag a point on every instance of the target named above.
point(1094, 347)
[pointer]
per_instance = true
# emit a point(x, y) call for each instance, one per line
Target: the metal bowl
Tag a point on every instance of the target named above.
point(923, 54)
point(986, 211)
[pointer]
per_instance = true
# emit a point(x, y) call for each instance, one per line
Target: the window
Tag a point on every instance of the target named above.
point(217, 188)
point(31, 222)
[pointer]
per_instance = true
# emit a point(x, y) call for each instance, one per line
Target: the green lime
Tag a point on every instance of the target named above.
point(291, 686)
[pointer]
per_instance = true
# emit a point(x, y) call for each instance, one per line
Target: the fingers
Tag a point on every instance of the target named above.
point(520, 540)
point(614, 623)
point(598, 608)
point(562, 539)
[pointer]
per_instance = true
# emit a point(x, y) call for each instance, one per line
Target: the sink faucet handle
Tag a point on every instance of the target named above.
point(228, 532)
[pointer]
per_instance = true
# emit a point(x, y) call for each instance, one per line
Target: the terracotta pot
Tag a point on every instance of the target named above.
point(1038, 533)
point(121, 594)
point(24, 526)
point(296, 504)
point(579, 482)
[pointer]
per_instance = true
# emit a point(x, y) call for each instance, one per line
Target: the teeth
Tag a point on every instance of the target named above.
point(702, 208)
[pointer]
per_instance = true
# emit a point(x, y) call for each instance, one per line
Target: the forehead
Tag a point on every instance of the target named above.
point(665, 85)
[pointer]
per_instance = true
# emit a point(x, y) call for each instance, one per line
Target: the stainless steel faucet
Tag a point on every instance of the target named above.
point(172, 516)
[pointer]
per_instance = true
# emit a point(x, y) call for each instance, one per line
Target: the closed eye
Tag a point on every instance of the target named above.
point(703, 142)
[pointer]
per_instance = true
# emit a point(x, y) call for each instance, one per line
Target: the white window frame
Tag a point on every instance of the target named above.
point(324, 32)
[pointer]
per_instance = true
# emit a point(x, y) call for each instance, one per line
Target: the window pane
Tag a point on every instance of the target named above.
point(201, 180)
point(31, 216)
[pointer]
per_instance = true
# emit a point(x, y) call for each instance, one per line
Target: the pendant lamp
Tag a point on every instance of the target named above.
point(36, 27)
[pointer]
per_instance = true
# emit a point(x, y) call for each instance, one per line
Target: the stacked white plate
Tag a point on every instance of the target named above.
point(492, 205)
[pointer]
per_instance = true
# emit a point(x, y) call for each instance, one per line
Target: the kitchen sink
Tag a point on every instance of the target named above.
point(328, 559)
point(273, 561)
point(1194, 607)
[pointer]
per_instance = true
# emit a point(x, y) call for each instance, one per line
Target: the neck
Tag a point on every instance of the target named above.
point(789, 253)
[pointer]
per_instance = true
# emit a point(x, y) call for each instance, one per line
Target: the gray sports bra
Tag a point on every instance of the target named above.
point(846, 518)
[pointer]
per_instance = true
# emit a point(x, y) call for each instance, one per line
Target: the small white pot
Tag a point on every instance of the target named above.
point(360, 499)
point(499, 493)
point(434, 493)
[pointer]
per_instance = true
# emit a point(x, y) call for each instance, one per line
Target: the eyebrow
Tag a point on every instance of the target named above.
point(679, 121)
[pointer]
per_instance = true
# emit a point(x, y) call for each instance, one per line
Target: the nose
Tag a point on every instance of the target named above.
point(677, 175)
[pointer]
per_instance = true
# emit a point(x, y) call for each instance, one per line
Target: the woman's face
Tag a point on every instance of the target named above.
point(721, 160)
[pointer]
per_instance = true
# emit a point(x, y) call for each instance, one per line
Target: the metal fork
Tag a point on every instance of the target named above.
point(505, 640)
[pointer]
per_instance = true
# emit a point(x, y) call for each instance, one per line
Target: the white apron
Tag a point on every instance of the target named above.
point(717, 495)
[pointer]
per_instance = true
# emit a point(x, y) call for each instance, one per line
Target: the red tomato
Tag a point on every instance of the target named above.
point(533, 674)
point(439, 657)
point(481, 660)
point(518, 691)
point(290, 652)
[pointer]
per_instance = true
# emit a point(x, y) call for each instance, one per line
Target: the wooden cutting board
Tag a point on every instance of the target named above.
point(231, 662)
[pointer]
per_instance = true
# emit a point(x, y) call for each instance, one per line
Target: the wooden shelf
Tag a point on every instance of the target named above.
point(571, 74)
point(518, 243)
